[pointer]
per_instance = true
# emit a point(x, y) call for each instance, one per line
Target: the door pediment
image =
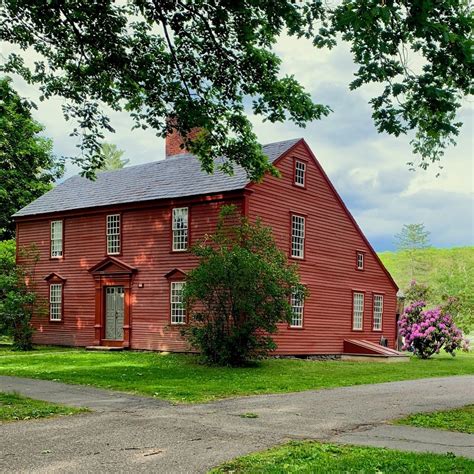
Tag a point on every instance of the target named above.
point(112, 266)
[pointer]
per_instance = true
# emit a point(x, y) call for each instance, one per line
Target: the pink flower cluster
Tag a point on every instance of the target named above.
point(426, 331)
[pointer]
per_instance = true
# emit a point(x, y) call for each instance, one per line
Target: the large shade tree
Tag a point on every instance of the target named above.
point(28, 167)
point(199, 62)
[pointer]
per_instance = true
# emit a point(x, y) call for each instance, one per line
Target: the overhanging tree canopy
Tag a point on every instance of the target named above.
point(199, 62)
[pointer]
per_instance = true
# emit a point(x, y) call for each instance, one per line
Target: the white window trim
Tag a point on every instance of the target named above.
point(360, 254)
point(379, 328)
point(298, 305)
point(118, 218)
point(303, 184)
point(173, 314)
point(58, 301)
point(354, 327)
point(293, 236)
point(174, 229)
point(56, 242)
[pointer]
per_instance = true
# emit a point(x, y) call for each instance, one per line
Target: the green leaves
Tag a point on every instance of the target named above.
point(27, 164)
point(112, 157)
point(202, 63)
point(419, 50)
point(17, 297)
point(239, 292)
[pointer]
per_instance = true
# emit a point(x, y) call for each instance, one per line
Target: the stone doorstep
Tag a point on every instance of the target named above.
point(103, 348)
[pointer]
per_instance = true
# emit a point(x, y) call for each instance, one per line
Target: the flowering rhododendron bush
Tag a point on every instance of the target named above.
point(427, 331)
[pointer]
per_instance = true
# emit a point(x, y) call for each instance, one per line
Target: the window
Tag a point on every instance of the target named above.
point(297, 236)
point(55, 301)
point(113, 234)
point(178, 312)
point(300, 170)
point(378, 311)
point(358, 317)
point(360, 260)
point(56, 239)
point(180, 228)
point(297, 306)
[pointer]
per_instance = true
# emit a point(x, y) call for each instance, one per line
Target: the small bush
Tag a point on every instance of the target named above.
point(18, 299)
point(239, 292)
point(427, 331)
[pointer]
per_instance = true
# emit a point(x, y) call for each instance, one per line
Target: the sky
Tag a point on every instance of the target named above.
point(368, 169)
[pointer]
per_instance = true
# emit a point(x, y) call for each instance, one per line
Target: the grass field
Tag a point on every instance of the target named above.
point(14, 407)
point(461, 419)
point(311, 457)
point(436, 262)
point(180, 378)
point(446, 271)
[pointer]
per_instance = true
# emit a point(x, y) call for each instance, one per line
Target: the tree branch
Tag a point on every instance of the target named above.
point(164, 23)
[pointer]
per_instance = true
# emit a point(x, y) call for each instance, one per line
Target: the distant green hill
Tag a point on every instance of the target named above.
point(448, 272)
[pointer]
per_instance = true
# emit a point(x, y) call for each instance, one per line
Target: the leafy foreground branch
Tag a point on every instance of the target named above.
point(200, 62)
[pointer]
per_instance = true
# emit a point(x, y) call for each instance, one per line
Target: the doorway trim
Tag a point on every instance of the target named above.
point(112, 272)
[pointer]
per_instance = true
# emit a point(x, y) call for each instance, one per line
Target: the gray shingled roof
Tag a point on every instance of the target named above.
point(173, 177)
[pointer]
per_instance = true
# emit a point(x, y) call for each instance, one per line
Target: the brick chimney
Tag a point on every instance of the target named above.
point(174, 142)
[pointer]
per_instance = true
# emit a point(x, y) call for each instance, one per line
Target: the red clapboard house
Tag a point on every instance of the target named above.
point(114, 253)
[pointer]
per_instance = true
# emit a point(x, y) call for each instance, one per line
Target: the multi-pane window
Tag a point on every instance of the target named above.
point(297, 306)
point(56, 239)
point(297, 236)
point(378, 311)
point(178, 312)
point(113, 234)
point(358, 317)
point(360, 261)
point(55, 301)
point(300, 170)
point(180, 228)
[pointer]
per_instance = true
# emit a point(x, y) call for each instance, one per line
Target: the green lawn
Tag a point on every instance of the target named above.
point(461, 419)
point(311, 457)
point(14, 407)
point(179, 378)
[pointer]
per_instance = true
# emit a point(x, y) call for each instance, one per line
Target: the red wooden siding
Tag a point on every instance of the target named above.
point(82, 249)
point(329, 265)
point(146, 246)
point(328, 268)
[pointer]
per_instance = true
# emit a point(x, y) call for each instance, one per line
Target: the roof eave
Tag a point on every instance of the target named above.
point(162, 202)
